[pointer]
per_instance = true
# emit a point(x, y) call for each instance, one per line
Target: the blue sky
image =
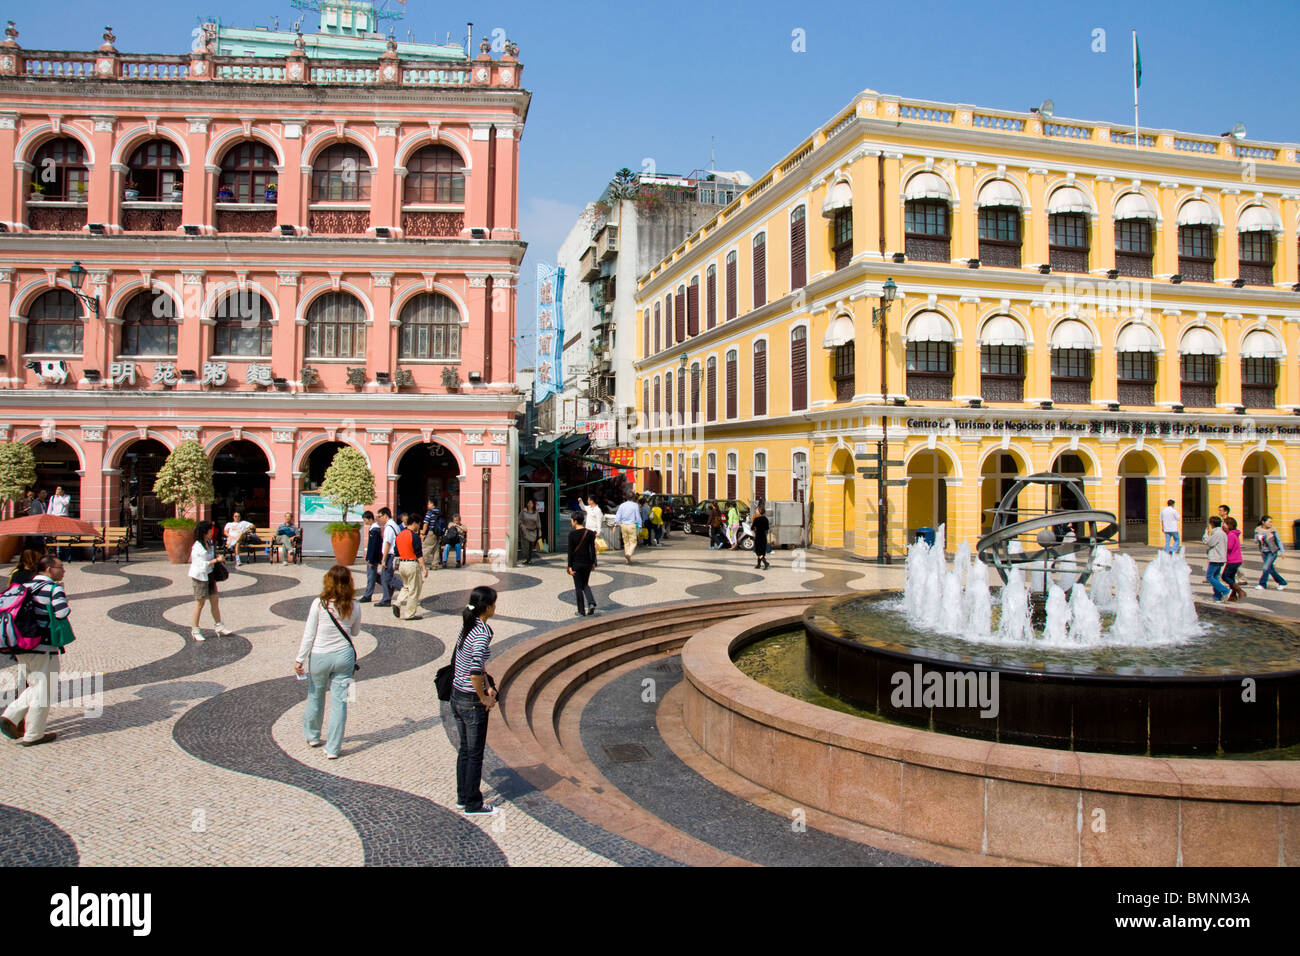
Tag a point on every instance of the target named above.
point(616, 84)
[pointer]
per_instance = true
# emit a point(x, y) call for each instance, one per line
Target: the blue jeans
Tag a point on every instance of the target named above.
point(372, 578)
point(1212, 576)
point(332, 672)
point(1172, 542)
point(471, 722)
point(459, 551)
point(388, 579)
point(1269, 559)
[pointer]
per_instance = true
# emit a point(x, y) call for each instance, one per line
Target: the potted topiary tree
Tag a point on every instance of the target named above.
point(185, 480)
point(17, 474)
point(348, 483)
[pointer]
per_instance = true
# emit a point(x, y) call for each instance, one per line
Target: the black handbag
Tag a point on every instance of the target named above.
point(442, 680)
point(218, 572)
point(355, 666)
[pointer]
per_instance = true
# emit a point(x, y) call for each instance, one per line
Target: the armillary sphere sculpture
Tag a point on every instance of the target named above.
point(1066, 539)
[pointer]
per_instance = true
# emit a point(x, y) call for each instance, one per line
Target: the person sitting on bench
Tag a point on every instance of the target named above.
point(238, 533)
point(286, 536)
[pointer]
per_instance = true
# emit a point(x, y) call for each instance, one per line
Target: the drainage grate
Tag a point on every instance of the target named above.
point(626, 753)
point(672, 665)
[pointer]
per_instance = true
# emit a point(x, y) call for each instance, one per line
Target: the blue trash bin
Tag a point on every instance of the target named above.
point(926, 535)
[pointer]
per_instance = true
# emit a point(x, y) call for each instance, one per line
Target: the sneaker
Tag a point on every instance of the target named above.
point(460, 806)
point(41, 740)
point(196, 634)
point(313, 743)
point(1260, 587)
point(1281, 587)
point(486, 810)
point(331, 756)
point(223, 631)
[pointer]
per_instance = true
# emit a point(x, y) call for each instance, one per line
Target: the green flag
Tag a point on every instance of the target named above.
point(1137, 62)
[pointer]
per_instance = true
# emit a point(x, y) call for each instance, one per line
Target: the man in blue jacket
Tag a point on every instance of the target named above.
point(374, 554)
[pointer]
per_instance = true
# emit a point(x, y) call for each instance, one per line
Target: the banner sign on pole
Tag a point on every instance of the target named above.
point(550, 331)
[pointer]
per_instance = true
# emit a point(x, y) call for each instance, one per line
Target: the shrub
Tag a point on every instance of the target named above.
point(348, 481)
point(17, 470)
point(185, 480)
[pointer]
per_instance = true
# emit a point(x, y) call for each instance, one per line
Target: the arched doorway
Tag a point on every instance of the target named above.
point(318, 461)
point(927, 490)
point(1134, 513)
point(842, 465)
point(1197, 469)
point(424, 472)
point(1255, 472)
point(997, 474)
point(56, 466)
point(241, 483)
point(138, 506)
point(1071, 465)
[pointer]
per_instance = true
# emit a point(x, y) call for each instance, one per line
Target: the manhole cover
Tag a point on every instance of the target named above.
point(626, 753)
point(671, 666)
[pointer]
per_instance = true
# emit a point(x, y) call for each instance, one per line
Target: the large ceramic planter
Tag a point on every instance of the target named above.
point(346, 544)
point(178, 541)
point(10, 545)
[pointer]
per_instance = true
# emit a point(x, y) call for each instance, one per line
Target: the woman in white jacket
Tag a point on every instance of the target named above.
point(594, 516)
point(332, 622)
point(203, 558)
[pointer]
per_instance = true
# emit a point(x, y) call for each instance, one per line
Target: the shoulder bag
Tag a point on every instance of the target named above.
point(355, 666)
point(60, 630)
point(218, 572)
point(442, 680)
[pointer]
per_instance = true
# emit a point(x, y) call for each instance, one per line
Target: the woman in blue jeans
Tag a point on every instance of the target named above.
point(1270, 549)
point(332, 622)
point(473, 694)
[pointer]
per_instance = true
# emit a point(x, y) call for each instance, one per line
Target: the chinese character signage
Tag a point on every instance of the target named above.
point(550, 331)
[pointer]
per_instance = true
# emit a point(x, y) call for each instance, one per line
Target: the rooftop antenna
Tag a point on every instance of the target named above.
point(469, 38)
point(713, 161)
point(275, 23)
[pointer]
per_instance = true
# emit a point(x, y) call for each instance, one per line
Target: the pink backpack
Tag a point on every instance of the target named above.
point(19, 630)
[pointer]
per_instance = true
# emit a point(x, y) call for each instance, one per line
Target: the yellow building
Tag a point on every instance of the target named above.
point(1067, 300)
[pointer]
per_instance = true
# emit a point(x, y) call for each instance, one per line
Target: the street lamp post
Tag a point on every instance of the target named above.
point(880, 317)
point(76, 278)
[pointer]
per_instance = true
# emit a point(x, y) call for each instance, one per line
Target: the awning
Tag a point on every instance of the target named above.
point(1257, 219)
point(1198, 212)
point(1199, 342)
point(1003, 330)
point(1073, 334)
point(999, 192)
point(1068, 199)
point(1136, 337)
point(929, 327)
point(839, 332)
point(1135, 206)
point(927, 186)
point(839, 196)
point(1261, 344)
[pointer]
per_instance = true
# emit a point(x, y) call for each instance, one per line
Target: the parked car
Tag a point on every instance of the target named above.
point(676, 509)
point(699, 518)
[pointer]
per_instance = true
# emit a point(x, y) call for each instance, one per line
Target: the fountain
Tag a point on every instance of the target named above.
point(1083, 653)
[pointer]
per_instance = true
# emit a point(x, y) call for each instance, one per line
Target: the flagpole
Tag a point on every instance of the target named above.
point(1137, 136)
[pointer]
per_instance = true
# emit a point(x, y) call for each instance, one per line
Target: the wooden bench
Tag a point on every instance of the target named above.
point(115, 539)
point(269, 536)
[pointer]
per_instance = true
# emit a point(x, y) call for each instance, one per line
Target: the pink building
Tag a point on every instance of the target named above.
point(275, 255)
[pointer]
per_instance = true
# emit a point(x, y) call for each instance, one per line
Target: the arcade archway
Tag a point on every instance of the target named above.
point(138, 507)
point(57, 465)
point(1198, 467)
point(842, 466)
point(241, 483)
point(1071, 465)
point(927, 489)
point(997, 474)
point(424, 472)
point(318, 461)
point(1255, 472)
point(1135, 469)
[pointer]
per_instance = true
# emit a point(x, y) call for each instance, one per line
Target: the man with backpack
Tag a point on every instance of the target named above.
point(24, 719)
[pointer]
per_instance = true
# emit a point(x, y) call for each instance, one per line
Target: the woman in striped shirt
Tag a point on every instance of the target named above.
point(473, 694)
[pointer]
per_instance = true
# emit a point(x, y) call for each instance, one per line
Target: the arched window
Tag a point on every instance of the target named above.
point(760, 476)
point(695, 393)
point(1072, 347)
point(243, 325)
point(341, 173)
point(711, 389)
point(435, 176)
point(838, 207)
point(799, 475)
point(999, 224)
point(925, 218)
point(54, 324)
point(760, 377)
point(711, 476)
point(760, 270)
point(846, 361)
point(645, 333)
point(695, 475)
point(1255, 246)
point(149, 325)
point(59, 171)
point(693, 307)
point(711, 297)
point(658, 329)
point(430, 328)
point(731, 383)
point(657, 421)
point(247, 171)
point(155, 170)
point(668, 397)
point(1197, 222)
point(799, 369)
point(336, 327)
point(732, 460)
point(679, 312)
point(668, 320)
point(1260, 354)
point(668, 472)
point(1134, 247)
point(1136, 349)
point(1002, 360)
point(731, 285)
point(799, 248)
point(645, 402)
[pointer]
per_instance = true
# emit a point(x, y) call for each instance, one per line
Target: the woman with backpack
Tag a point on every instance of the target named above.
point(327, 658)
point(1269, 543)
point(473, 694)
point(204, 574)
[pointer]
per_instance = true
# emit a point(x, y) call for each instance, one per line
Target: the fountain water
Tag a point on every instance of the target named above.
point(1085, 620)
point(1058, 616)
